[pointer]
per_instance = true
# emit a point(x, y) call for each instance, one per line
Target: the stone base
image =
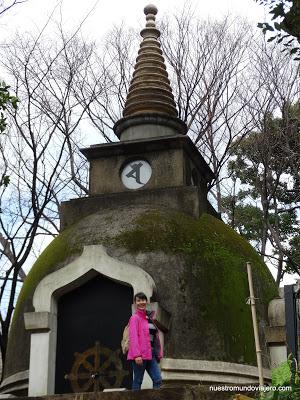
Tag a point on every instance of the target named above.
point(188, 375)
point(169, 393)
point(180, 371)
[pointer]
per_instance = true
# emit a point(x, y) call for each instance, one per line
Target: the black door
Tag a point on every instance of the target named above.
point(90, 325)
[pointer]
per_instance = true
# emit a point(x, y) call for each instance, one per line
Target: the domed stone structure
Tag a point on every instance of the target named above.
point(146, 226)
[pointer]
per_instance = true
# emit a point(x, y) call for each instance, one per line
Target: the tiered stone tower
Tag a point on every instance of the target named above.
point(145, 226)
point(150, 102)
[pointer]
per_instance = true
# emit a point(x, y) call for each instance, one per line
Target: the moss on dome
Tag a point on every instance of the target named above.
point(217, 256)
point(55, 253)
point(209, 282)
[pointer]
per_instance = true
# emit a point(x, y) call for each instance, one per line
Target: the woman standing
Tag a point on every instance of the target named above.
point(145, 350)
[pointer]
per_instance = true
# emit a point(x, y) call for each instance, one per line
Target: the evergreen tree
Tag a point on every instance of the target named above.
point(265, 171)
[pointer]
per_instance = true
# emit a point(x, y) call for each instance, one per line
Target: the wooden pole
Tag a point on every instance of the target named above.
point(255, 327)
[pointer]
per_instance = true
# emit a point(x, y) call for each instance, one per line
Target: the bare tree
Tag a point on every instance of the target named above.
point(209, 61)
point(40, 154)
point(7, 5)
point(114, 63)
point(268, 160)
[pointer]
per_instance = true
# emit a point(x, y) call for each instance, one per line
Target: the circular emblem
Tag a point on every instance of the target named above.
point(136, 174)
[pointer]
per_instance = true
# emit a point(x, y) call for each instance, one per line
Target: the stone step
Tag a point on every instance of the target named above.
point(170, 393)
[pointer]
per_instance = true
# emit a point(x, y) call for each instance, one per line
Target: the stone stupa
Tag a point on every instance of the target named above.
point(146, 226)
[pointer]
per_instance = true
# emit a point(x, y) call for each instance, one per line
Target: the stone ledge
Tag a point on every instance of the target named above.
point(153, 144)
point(170, 393)
point(188, 199)
point(159, 121)
point(210, 372)
point(38, 321)
point(212, 366)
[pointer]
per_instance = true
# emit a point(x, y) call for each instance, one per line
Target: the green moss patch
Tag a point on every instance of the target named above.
point(56, 252)
point(212, 276)
point(217, 277)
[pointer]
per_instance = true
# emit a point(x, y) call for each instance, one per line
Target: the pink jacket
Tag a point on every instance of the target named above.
point(139, 338)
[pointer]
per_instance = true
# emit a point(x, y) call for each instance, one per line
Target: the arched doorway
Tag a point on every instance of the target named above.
point(90, 323)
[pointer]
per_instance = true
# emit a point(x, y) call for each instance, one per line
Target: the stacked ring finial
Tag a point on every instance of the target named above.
point(150, 91)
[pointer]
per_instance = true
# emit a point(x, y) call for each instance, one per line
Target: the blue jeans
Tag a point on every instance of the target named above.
point(151, 366)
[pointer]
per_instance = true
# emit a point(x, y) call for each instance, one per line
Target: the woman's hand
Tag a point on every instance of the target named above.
point(138, 360)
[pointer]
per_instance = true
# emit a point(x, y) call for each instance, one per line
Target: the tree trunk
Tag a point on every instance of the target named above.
point(279, 269)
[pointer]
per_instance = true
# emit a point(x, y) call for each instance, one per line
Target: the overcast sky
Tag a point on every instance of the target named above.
point(31, 15)
point(103, 14)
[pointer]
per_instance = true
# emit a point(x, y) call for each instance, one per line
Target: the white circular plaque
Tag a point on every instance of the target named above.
point(136, 174)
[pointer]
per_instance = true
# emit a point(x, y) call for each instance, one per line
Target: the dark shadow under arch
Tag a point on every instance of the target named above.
point(90, 324)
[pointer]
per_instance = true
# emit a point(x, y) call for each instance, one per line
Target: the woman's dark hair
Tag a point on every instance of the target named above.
point(141, 296)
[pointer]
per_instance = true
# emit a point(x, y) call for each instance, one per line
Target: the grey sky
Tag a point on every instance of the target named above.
point(31, 16)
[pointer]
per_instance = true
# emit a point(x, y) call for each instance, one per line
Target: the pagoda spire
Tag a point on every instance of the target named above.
point(150, 90)
point(150, 99)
